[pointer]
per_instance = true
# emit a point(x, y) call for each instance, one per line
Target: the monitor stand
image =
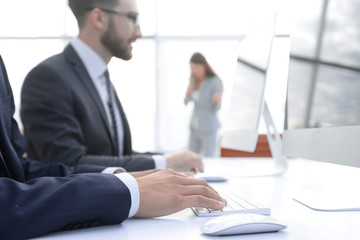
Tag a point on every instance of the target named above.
point(275, 143)
point(278, 163)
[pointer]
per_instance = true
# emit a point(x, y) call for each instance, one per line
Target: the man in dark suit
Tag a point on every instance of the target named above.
point(37, 199)
point(69, 108)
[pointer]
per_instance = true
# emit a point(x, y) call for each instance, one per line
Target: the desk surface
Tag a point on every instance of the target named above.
point(273, 191)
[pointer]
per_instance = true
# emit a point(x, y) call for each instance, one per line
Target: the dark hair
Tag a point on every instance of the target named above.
point(81, 7)
point(198, 58)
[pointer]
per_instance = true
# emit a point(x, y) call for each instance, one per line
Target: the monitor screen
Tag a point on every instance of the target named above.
point(240, 128)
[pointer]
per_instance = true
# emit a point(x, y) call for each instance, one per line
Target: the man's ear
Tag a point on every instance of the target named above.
point(98, 19)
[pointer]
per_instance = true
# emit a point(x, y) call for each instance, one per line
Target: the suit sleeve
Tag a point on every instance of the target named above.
point(51, 126)
point(49, 204)
point(135, 162)
point(34, 169)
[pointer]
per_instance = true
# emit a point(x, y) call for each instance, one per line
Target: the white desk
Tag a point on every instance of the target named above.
point(276, 192)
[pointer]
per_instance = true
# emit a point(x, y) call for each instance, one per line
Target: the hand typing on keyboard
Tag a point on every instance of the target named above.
point(166, 191)
point(235, 203)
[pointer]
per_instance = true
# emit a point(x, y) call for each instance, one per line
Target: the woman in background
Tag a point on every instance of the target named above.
point(205, 90)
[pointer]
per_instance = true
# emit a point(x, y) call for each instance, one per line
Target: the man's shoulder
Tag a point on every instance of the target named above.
point(53, 62)
point(51, 73)
point(56, 66)
point(58, 62)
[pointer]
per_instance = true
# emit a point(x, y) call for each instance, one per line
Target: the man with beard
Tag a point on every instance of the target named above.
point(70, 110)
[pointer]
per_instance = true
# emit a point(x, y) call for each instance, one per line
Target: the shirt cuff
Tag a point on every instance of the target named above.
point(160, 161)
point(133, 187)
point(113, 170)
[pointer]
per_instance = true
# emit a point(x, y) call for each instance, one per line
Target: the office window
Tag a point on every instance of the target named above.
point(35, 18)
point(212, 17)
point(337, 98)
point(342, 33)
point(148, 16)
point(301, 72)
point(324, 67)
point(304, 25)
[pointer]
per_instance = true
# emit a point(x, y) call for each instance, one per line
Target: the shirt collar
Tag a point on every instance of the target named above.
point(94, 64)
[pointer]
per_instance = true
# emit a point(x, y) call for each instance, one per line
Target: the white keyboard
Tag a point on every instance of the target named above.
point(235, 204)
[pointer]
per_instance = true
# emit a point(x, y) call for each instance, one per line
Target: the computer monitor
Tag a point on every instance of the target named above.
point(263, 58)
point(331, 132)
point(323, 124)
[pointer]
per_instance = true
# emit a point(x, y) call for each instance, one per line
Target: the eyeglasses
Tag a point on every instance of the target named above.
point(134, 17)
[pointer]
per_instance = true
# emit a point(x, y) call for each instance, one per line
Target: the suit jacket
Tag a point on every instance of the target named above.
point(37, 199)
point(204, 116)
point(65, 120)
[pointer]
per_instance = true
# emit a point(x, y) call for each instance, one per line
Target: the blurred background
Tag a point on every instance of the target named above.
point(324, 66)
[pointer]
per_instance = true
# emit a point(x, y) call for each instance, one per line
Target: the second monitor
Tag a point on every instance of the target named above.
point(263, 60)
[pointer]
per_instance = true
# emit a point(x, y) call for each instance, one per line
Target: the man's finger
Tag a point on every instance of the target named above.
point(193, 181)
point(201, 191)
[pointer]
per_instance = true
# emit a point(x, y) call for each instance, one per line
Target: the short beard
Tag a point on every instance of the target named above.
point(115, 45)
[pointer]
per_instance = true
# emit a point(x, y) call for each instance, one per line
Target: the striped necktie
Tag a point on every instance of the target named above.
point(111, 102)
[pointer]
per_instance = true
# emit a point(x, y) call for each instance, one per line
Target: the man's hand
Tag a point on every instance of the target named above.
point(166, 191)
point(185, 161)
